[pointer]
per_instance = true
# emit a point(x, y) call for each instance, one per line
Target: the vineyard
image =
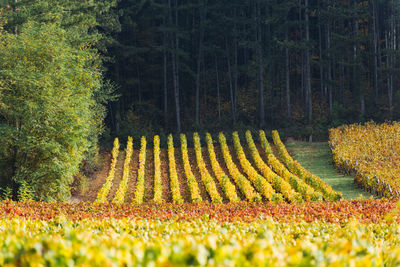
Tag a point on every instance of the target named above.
point(371, 153)
point(212, 171)
point(341, 233)
point(244, 202)
point(123, 135)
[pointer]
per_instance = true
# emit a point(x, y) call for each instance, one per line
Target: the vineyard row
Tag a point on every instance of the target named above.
point(213, 173)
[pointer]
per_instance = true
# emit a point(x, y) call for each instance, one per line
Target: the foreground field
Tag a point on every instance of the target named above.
point(342, 233)
point(366, 211)
point(219, 205)
point(149, 243)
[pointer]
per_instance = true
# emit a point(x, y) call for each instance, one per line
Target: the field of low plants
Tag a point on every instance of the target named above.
point(212, 171)
point(240, 203)
point(123, 139)
point(341, 233)
point(371, 152)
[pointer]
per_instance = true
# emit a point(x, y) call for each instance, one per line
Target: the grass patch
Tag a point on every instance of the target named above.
point(317, 158)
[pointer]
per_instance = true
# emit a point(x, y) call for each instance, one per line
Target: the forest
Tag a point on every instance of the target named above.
point(300, 65)
point(184, 65)
point(76, 74)
point(199, 133)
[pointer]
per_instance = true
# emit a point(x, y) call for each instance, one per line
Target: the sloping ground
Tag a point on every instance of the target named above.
point(119, 169)
point(130, 194)
point(99, 177)
point(149, 176)
point(317, 158)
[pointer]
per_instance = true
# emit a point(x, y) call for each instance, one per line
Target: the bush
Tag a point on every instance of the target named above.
point(49, 116)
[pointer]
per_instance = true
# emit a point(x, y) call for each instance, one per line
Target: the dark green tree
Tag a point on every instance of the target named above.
point(48, 108)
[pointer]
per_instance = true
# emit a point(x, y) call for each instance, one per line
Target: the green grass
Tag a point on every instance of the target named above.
point(317, 158)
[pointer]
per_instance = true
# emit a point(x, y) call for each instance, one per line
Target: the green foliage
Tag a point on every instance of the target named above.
point(25, 192)
point(6, 193)
point(49, 117)
point(81, 183)
point(80, 17)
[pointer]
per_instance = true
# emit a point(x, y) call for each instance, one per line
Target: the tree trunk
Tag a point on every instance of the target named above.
point(390, 46)
point(329, 74)
point(178, 112)
point(341, 82)
point(165, 81)
point(342, 58)
point(308, 71)
point(357, 65)
point(235, 74)
point(231, 93)
point(394, 48)
point(389, 88)
point(321, 65)
point(199, 57)
point(287, 76)
point(175, 68)
point(139, 84)
point(218, 89)
point(375, 35)
point(379, 52)
point(302, 59)
point(260, 70)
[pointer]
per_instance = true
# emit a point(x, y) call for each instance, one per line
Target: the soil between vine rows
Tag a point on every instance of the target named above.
point(101, 175)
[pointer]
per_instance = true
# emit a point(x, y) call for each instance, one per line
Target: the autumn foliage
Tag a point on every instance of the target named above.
point(365, 211)
point(371, 152)
point(225, 173)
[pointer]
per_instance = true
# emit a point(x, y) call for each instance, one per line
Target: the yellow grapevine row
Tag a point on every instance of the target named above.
point(260, 183)
point(157, 171)
point(371, 152)
point(276, 181)
point(306, 191)
point(223, 178)
point(196, 243)
point(123, 185)
point(174, 182)
point(139, 193)
point(244, 185)
point(191, 180)
point(208, 181)
point(105, 189)
point(295, 167)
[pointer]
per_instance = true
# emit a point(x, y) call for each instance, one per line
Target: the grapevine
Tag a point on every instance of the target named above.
point(371, 152)
point(307, 192)
point(244, 185)
point(191, 180)
point(208, 181)
point(105, 189)
point(278, 183)
point(222, 177)
point(259, 182)
point(139, 193)
point(174, 182)
point(309, 178)
point(157, 171)
point(123, 185)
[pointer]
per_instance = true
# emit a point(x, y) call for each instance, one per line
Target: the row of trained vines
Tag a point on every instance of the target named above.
point(197, 242)
point(371, 152)
point(241, 171)
point(338, 233)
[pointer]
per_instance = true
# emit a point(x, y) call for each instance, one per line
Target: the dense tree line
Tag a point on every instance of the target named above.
point(172, 66)
point(52, 93)
point(183, 65)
